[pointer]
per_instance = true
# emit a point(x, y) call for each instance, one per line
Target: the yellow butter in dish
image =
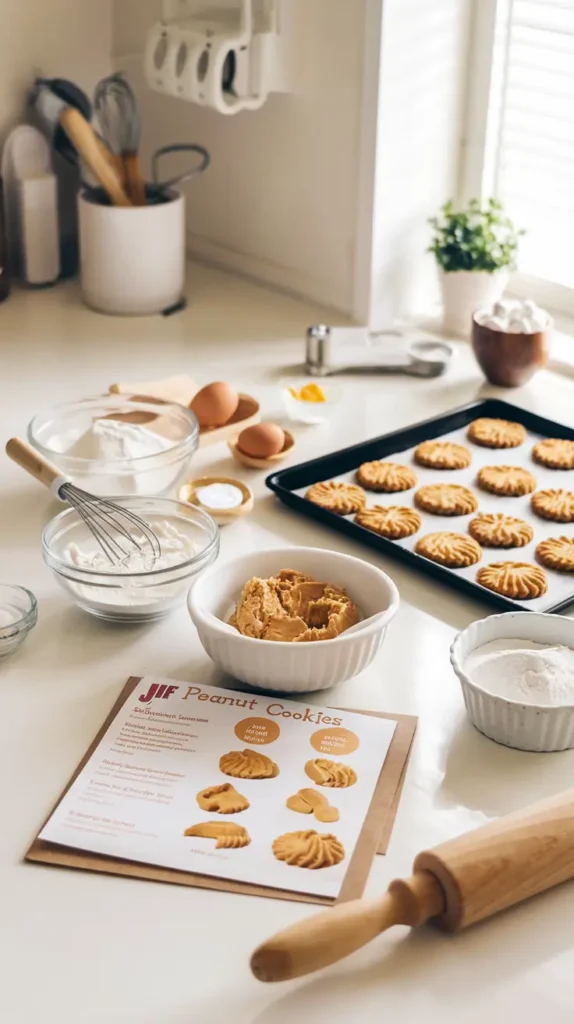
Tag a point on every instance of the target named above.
point(308, 393)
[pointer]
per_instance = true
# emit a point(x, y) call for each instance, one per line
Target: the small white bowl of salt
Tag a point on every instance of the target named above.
point(517, 676)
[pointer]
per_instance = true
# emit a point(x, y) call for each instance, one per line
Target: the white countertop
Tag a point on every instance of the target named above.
point(76, 947)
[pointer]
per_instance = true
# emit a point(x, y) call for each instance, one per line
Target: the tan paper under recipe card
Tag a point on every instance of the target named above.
point(189, 784)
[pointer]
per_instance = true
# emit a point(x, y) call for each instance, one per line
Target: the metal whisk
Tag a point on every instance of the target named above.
point(119, 533)
point(118, 113)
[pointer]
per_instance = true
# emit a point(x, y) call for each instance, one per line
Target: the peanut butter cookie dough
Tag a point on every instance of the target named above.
point(557, 553)
point(391, 521)
point(509, 481)
point(446, 500)
point(385, 476)
point(292, 607)
point(248, 764)
point(518, 580)
point(309, 849)
point(228, 835)
point(497, 530)
point(554, 452)
point(557, 505)
point(455, 550)
point(331, 774)
point(222, 799)
point(343, 499)
point(492, 433)
point(442, 455)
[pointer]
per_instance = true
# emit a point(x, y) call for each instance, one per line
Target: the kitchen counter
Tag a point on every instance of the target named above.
point(76, 947)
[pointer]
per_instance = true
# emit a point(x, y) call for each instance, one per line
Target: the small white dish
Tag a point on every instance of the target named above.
point(310, 413)
point(292, 667)
point(535, 727)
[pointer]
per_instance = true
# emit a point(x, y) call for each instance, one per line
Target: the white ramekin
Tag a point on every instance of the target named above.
point(292, 667)
point(536, 727)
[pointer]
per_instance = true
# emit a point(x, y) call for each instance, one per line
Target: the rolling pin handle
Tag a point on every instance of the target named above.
point(417, 899)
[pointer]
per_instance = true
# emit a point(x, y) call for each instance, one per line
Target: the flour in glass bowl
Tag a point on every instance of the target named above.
point(523, 671)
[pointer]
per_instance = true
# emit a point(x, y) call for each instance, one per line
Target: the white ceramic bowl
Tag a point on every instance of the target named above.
point(292, 667)
point(536, 727)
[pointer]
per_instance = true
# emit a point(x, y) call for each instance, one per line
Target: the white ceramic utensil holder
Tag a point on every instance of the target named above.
point(132, 260)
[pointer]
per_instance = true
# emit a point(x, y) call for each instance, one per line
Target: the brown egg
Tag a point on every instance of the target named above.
point(215, 404)
point(261, 441)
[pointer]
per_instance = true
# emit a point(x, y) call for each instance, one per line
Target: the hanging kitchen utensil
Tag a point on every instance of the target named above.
point(119, 117)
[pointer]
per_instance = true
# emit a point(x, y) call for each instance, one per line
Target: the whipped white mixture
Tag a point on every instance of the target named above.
point(524, 671)
point(110, 441)
point(219, 496)
point(176, 547)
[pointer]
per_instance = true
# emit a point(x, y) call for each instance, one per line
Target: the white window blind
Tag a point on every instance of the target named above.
point(529, 157)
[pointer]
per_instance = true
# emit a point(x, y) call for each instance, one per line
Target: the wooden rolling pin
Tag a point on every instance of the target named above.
point(454, 885)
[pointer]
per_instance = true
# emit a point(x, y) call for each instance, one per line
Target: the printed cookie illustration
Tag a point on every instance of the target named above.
point(248, 764)
point(331, 774)
point(555, 453)
point(309, 849)
point(228, 835)
point(446, 500)
point(337, 497)
point(557, 553)
point(518, 580)
point(222, 799)
point(442, 455)
point(391, 521)
point(308, 801)
point(385, 476)
point(454, 550)
point(496, 433)
point(510, 481)
point(557, 505)
point(497, 530)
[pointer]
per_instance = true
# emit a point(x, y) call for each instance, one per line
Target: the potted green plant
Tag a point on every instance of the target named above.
point(475, 249)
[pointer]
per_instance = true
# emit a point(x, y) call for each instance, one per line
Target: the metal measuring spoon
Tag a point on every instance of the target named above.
point(421, 358)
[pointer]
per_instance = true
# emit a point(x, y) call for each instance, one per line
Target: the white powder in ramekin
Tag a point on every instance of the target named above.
point(524, 671)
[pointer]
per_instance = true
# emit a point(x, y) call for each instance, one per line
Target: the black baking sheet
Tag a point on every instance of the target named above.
point(288, 481)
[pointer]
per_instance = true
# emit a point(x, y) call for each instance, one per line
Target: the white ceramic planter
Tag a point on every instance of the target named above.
point(465, 291)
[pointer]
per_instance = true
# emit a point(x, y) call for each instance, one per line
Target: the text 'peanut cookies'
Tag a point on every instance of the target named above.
point(222, 799)
point(331, 774)
point(248, 764)
point(309, 849)
point(228, 835)
point(385, 476)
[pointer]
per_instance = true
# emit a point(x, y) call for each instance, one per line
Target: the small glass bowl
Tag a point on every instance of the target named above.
point(18, 615)
point(55, 431)
point(133, 597)
point(309, 412)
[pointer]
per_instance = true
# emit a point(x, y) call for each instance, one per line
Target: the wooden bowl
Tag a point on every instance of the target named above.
point(509, 360)
point(248, 412)
point(188, 493)
point(248, 460)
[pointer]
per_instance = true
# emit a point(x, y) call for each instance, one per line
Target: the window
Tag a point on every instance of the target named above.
point(520, 143)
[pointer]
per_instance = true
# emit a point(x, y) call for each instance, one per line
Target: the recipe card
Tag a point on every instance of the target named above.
point(248, 788)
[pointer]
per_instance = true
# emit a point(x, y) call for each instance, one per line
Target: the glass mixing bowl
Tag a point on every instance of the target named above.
point(18, 615)
point(63, 435)
point(135, 596)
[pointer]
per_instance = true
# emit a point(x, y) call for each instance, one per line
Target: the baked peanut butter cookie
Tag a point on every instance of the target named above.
point(331, 774)
point(446, 500)
point(557, 505)
point(343, 499)
point(509, 481)
point(222, 799)
point(496, 433)
point(391, 521)
point(248, 764)
point(311, 801)
point(309, 849)
point(442, 455)
point(228, 835)
point(497, 530)
point(455, 550)
point(557, 553)
point(554, 452)
point(385, 476)
point(518, 580)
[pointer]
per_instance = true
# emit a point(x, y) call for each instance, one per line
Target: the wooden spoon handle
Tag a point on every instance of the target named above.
point(88, 146)
point(134, 180)
point(325, 938)
point(35, 464)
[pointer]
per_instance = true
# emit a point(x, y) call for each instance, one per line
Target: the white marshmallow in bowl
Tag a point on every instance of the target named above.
point(511, 316)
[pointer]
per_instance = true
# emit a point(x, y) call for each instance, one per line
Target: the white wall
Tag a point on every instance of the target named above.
point(280, 200)
point(55, 38)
